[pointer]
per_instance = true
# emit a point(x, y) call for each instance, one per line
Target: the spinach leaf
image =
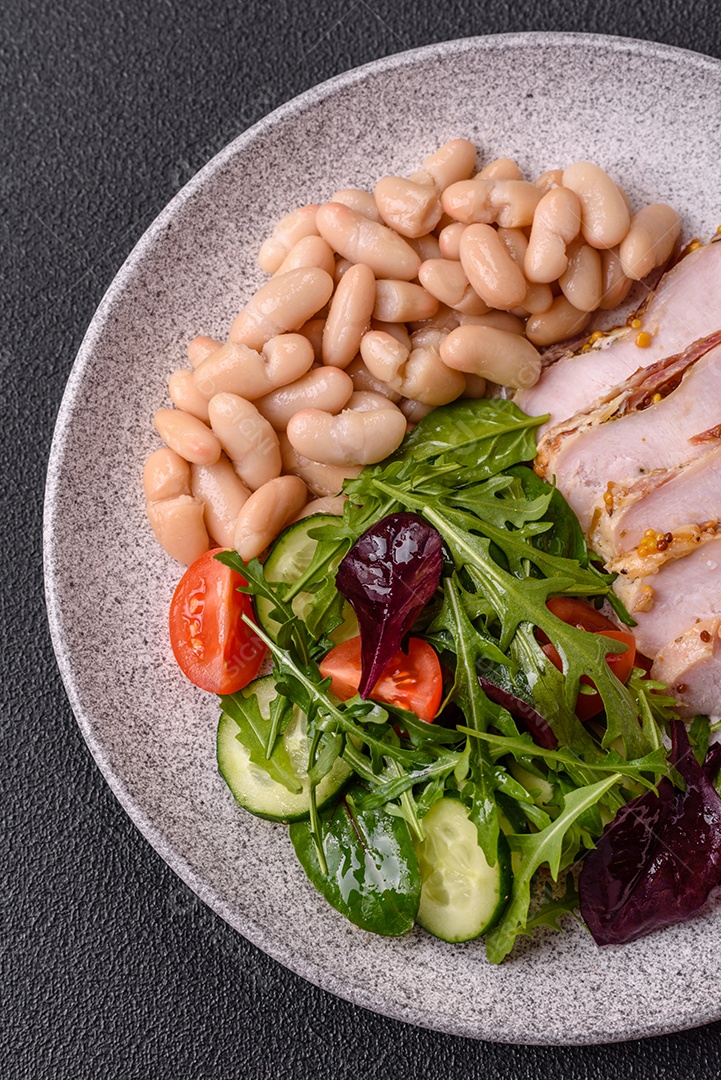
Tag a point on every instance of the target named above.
point(484, 435)
point(371, 874)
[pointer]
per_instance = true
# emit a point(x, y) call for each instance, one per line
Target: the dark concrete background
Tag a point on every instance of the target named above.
point(110, 966)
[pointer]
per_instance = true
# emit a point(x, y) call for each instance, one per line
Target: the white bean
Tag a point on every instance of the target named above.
point(266, 513)
point(414, 411)
point(397, 330)
point(200, 348)
point(341, 265)
point(384, 357)
point(605, 218)
point(323, 480)
point(504, 358)
point(447, 281)
point(187, 435)
point(331, 504)
point(368, 401)
point(166, 475)
point(419, 374)
point(475, 386)
point(350, 438)
point(222, 494)
point(362, 241)
point(349, 316)
point(363, 379)
point(401, 301)
point(360, 201)
point(509, 203)
point(185, 395)
point(449, 241)
point(426, 379)
point(555, 224)
point(310, 251)
point(179, 527)
point(490, 269)
point(326, 388)
point(427, 247)
point(538, 297)
point(582, 280)
point(453, 161)
point(615, 284)
point(550, 179)
point(446, 318)
point(499, 320)
point(409, 208)
point(561, 321)
point(501, 169)
point(288, 231)
point(237, 369)
point(283, 303)
point(313, 330)
point(650, 240)
point(247, 438)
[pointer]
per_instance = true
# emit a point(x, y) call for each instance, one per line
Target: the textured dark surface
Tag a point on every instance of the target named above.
point(111, 967)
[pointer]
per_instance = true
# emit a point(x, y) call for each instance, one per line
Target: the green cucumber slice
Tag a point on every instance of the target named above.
point(288, 559)
point(258, 784)
point(461, 895)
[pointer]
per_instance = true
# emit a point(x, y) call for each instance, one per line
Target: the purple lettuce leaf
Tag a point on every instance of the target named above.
point(659, 859)
point(539, 729)
point(388, 577)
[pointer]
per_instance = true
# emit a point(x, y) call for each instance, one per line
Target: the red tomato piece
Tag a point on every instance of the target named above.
point(411, 680)
point(576, 613)
point(621, 664)
point(214, 648)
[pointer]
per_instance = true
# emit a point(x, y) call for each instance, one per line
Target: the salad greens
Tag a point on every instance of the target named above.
point(510, 542)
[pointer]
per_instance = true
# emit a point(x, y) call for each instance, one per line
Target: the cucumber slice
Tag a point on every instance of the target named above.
point(257, 785)
point(290, 557)
point(461, 895)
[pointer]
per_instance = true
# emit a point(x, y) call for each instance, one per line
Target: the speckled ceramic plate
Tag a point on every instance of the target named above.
point(648, 113)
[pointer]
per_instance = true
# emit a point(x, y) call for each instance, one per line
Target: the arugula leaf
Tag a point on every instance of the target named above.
point(553, 907)
point(478, 789)
point(544, 848)
point(565, 539)
point(516, 601)
point(254, 729)
point(523, 748)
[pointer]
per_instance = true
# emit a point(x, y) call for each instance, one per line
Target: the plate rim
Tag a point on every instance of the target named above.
point(300, 964)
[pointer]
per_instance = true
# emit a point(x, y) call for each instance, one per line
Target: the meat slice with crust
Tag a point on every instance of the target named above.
point(685, 306)
point(690, 666)
point(621, 442)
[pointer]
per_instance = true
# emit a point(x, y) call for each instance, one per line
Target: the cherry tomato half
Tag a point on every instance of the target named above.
point(580, 614)
point(214, 648)
point(411, 680)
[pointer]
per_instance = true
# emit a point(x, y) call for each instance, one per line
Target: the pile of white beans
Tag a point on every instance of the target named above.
point(380, 307)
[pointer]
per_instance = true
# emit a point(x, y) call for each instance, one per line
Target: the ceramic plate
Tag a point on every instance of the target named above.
point(649, 114)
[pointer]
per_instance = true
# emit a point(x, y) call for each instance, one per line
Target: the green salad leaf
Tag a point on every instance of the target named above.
point(370, 872)
point(511, 542)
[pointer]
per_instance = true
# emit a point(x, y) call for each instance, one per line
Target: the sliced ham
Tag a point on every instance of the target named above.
point(690, 666)
point(609, 447)
point(685, 593)
point(681, 500)
point(685, 306)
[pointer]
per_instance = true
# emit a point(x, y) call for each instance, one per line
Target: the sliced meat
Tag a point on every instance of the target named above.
point(685, 306)
point(622, 451)
point(680, 500)
point(690, 665)
point(685, 593)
